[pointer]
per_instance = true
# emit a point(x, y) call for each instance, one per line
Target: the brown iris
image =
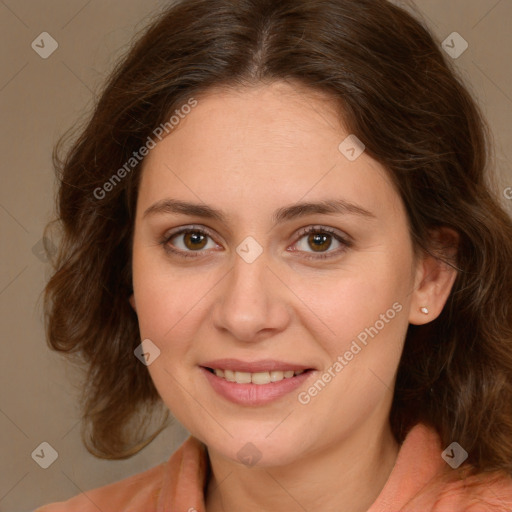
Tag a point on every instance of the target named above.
point(319, 241)
point(194, 240)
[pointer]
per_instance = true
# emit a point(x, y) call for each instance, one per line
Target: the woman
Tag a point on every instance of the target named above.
point(279, 224)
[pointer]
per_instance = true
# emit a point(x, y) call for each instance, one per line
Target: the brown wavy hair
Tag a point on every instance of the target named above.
point(396, 90)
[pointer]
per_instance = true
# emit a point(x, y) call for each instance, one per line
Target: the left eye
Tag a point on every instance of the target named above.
point(195, 240)
point(321, 238)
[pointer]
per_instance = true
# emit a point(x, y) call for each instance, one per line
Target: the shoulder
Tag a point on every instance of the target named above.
point(479, 493)
point(146, 491)
point(483, 492)
point(446, 489)
point(137, 492)
point(422, 481)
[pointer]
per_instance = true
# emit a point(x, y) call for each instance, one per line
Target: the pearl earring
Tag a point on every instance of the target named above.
point(424, 310)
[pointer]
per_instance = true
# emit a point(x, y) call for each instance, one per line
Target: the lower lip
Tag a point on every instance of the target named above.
point(254, 394)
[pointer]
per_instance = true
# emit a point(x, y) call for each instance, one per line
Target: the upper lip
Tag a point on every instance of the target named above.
point(263, 365)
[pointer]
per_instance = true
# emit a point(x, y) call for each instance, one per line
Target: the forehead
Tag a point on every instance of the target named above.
point(275, 143)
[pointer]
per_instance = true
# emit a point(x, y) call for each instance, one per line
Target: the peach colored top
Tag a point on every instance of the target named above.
point(421, 481)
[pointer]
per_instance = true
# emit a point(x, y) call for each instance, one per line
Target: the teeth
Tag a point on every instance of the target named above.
point(229, 375)
point(261, 378)
point(276, 376)
point(255, 378)
point(243, 377)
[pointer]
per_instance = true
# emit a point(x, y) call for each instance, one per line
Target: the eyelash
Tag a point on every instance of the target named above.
point(346, 244)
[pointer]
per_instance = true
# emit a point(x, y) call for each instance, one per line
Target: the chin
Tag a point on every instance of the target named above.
point(257, 450)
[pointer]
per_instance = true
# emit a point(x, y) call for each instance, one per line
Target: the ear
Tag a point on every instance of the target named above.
point(434, 278)
point(132, 302)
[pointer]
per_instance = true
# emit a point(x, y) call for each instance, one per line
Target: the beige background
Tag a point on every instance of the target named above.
point(40, 99)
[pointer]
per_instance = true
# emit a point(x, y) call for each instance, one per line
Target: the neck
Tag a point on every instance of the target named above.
point(347, 474)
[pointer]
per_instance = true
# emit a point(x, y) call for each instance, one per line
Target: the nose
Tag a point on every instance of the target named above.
point(252, 302)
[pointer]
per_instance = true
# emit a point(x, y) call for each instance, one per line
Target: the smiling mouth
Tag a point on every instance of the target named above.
point(255, 378)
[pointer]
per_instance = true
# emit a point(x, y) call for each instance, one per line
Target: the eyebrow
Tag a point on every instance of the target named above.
point(286, 213)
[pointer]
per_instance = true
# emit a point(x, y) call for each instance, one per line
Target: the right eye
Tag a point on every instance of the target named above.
point(190, 240)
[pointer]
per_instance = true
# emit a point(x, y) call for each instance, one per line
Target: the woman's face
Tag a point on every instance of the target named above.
point(248, 284)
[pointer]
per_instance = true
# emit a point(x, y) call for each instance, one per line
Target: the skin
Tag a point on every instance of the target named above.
point(249, 152)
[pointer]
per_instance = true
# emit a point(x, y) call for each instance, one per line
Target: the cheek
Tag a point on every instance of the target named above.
point(163, 294)
point(172, 305)
point(168, 306)
point(165, 307)
point(362, 323)
point(342, 304)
